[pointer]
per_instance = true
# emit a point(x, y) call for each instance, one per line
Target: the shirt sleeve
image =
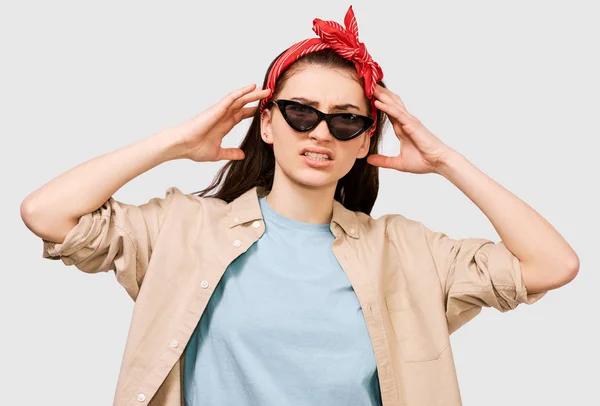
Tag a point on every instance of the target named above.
point(476, 272)
point(116, 236)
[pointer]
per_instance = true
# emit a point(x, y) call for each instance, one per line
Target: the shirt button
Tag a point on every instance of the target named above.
point(353, 231)
point(236, 219)
point(237, 243)
point(174, 343)
point(256, 224)
point(204, 284)
point(141, 397)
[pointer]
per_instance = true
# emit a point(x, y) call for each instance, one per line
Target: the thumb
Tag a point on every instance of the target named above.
point(383, 161)
point(231, 154)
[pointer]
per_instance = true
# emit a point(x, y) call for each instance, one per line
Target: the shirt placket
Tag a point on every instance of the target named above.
point(371, 307)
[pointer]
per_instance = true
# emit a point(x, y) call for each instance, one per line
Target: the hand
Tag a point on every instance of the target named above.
point(420, 151)
point(201, 136)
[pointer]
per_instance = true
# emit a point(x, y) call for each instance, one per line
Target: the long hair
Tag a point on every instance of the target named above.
point(357, 190)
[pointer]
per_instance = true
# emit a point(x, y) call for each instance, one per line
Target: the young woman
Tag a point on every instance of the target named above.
point(279, 288)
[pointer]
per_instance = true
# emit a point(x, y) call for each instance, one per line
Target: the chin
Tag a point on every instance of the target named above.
point(315, 180)
point(309, 177)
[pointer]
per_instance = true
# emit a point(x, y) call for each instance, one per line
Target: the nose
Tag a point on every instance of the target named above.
point(321, 132)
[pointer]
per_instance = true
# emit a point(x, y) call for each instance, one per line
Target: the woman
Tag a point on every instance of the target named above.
point(280, 288)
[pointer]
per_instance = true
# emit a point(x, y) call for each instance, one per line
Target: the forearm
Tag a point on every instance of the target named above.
point(54, 209)
point(547, 260)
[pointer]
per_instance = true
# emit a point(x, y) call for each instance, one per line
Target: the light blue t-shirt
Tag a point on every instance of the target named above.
point(283, 327)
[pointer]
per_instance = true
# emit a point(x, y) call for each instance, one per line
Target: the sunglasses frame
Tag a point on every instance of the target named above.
point(283, 103)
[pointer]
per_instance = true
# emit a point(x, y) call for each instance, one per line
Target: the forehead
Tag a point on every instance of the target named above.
point(326, 86)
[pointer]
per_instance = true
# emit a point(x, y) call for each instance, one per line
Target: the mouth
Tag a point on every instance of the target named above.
point(316, 160)
point(317, 156)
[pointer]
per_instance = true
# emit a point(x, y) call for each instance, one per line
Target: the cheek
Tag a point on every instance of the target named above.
point(284, 146)
point(346, 159)
point(352, 148)
point(348, 154)
point(284, 138)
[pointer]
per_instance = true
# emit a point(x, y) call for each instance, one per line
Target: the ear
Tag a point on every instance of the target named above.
point(364, 147)
point(266, 132)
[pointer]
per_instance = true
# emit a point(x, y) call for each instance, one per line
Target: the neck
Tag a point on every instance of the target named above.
point(308, 204)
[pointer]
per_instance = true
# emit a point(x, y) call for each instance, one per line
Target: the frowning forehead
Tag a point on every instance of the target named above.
point(315, 103)
point(326, 89)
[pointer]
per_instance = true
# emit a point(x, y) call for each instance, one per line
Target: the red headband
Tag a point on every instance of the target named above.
point(342, 40)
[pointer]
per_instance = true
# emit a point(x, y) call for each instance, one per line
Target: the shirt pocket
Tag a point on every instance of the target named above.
point(419, 334)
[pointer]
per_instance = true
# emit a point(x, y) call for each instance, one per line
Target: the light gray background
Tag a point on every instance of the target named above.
point(512, 85)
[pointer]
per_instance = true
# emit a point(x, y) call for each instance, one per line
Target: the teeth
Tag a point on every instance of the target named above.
point(314, 155)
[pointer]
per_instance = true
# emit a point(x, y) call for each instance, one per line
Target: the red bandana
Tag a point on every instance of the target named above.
point(342, 40)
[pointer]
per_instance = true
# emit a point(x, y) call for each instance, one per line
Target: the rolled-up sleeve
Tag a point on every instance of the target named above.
point(116, 236)
point(476, 273)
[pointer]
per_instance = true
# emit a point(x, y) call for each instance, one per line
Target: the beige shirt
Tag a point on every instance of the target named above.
point(415, 286)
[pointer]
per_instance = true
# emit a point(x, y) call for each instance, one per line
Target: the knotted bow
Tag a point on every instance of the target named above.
point(344, 41)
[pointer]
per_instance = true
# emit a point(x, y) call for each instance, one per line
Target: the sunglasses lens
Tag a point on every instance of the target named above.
point(345, 126)
point(301, 118)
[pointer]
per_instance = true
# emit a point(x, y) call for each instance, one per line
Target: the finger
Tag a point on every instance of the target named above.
point(396, 98)
point(381, 91)
point(382, 161)
point(387, 98)
point(253, 96)
point(247, 112)
point(231, 97)
point(394, 112)
point(244, 113)
point(230, 154)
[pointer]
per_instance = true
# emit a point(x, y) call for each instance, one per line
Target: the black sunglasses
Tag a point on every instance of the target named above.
point(302, 117)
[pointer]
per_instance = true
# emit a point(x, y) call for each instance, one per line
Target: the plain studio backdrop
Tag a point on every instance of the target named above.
point(511, 85)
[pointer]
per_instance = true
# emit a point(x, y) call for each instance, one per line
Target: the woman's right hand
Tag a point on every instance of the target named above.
point(201, 135)
point(54, 209)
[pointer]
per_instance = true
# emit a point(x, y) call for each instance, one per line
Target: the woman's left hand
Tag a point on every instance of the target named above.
point(420, 150)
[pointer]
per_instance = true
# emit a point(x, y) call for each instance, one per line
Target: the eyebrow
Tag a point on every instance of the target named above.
point(315, 104)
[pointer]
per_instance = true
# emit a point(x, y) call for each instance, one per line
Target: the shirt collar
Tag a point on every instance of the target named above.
point(246, 208)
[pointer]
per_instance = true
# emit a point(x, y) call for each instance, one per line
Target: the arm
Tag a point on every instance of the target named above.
point(546, 259)
point(83, 225)
point(54, 209)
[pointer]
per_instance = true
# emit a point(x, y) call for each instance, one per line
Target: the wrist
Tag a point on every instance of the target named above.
point(448, 162)
point(170, 145)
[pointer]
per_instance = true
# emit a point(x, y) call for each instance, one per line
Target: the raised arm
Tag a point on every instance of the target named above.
point(81, 223)
point(546, 260)
point(55, 208)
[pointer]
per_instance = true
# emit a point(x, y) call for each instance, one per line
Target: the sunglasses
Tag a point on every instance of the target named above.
point(302, 117)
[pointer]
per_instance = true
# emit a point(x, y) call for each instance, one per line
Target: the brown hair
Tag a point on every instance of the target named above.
point(357, 190)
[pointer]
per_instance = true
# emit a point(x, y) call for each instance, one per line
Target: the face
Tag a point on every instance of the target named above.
point(330, 91)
